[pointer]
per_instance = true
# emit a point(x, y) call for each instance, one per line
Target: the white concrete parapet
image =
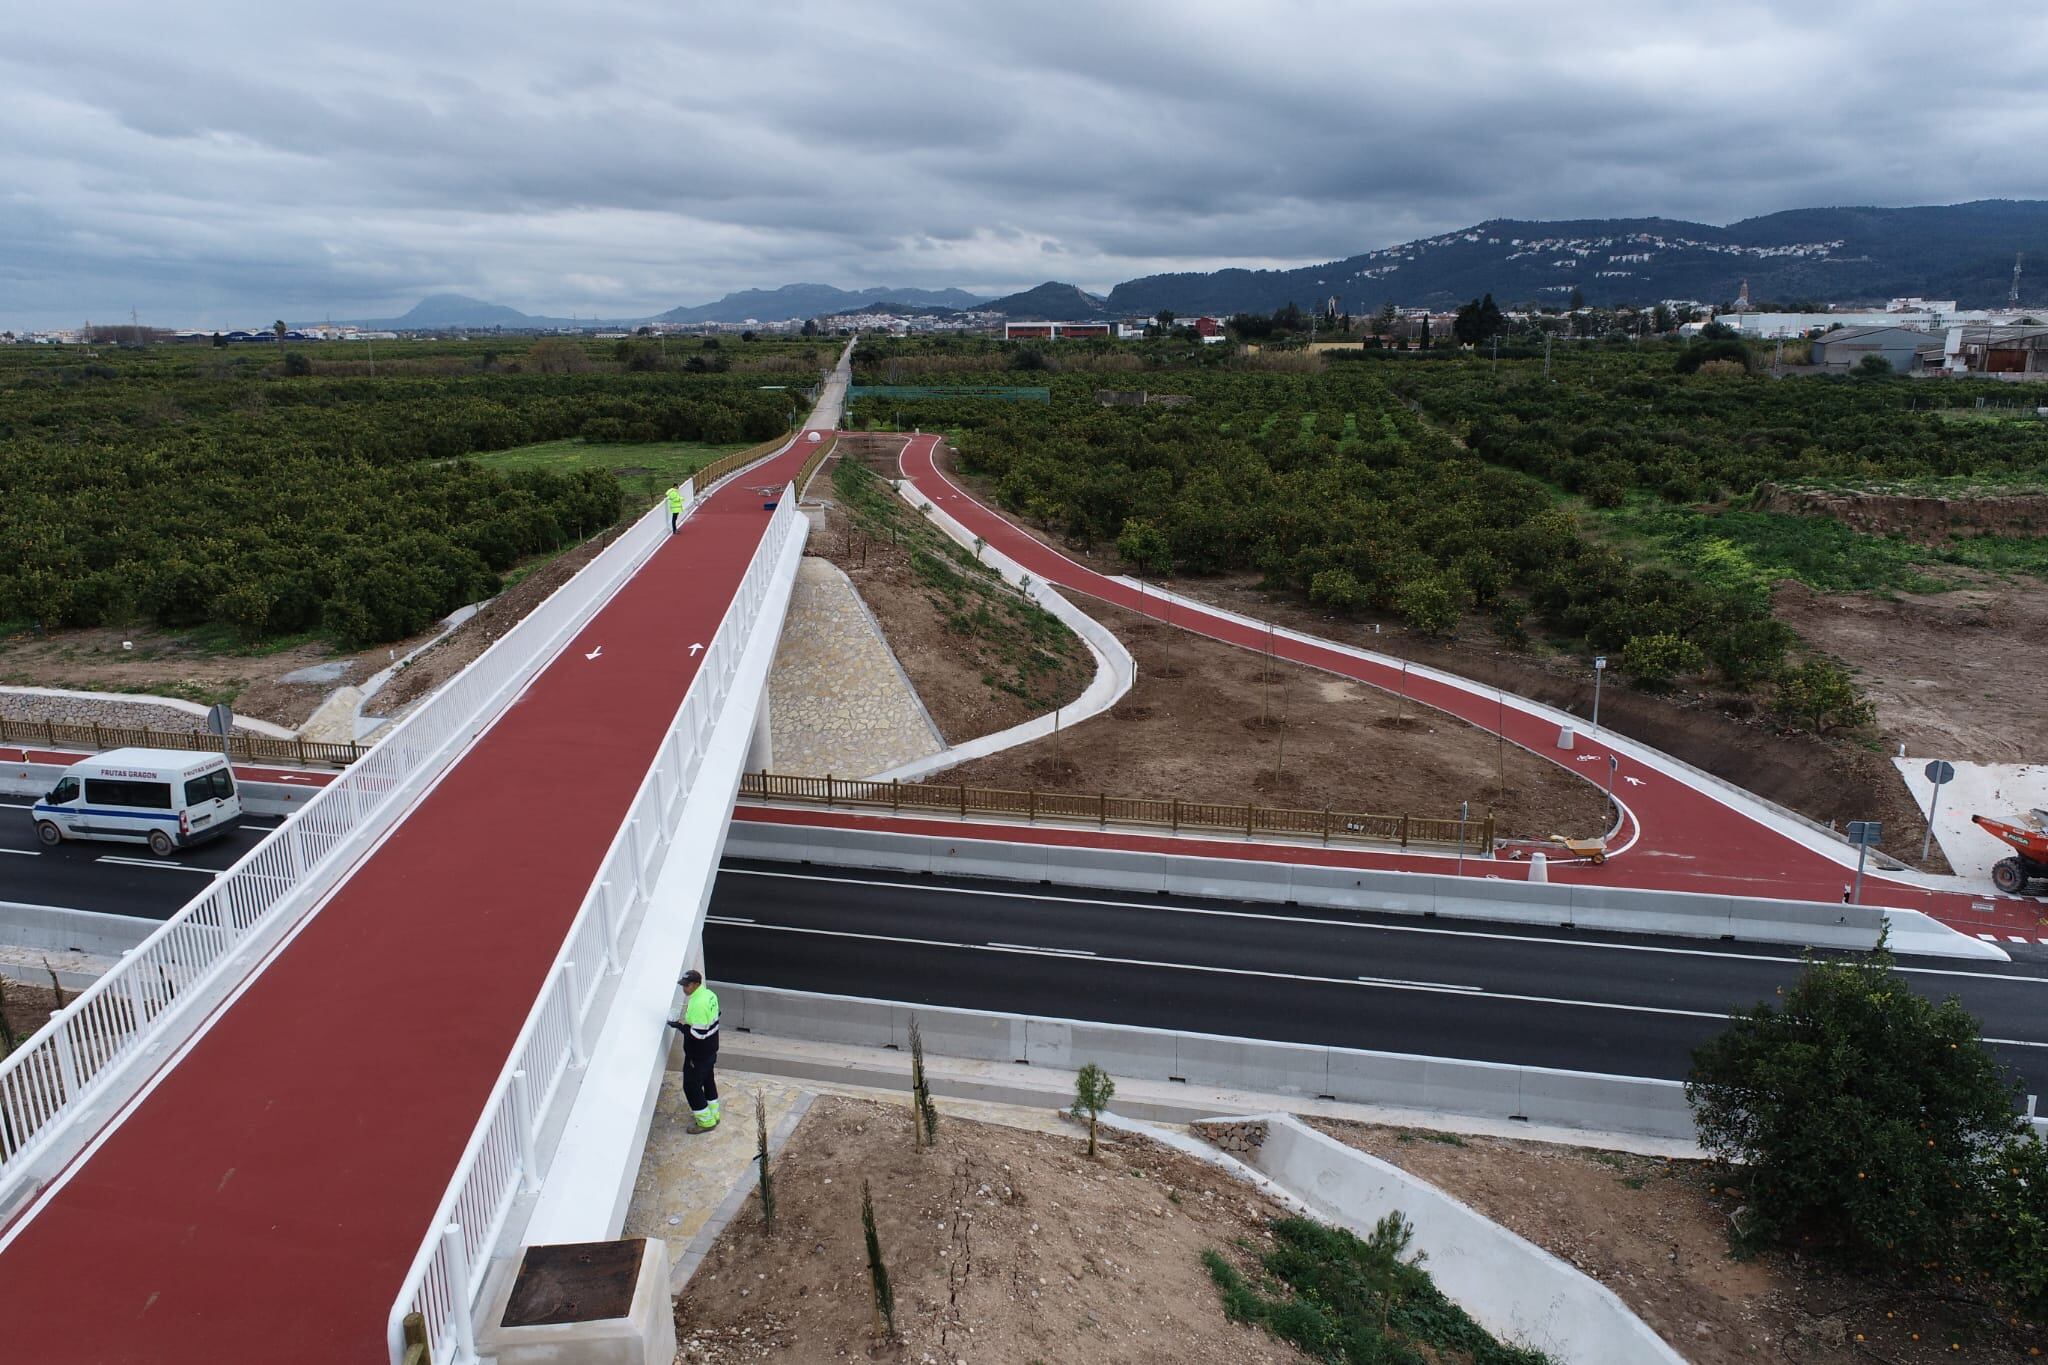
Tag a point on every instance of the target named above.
point(1511, 1287)
point(1570, 905)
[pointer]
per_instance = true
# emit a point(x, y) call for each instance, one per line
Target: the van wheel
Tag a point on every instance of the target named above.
point(49, 834)
point(160, 844)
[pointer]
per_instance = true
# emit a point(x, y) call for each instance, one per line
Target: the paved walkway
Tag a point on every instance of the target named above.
point(685, 1176)
point(838, 701)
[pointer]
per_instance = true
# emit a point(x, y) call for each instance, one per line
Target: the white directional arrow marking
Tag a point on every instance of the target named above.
point(694, 649)
point(595, 652)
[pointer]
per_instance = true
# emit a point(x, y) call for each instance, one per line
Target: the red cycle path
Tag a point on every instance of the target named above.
point(267, 1198)
point(1677, 836)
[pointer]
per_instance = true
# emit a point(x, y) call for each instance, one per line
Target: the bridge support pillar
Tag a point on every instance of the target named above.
point(761, 749)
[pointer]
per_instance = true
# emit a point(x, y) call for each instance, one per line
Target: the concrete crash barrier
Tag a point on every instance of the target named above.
point(1684, 914)
point(1511, 1287)
point(1538, 1095)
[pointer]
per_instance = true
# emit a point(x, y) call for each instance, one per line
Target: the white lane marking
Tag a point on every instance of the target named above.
point(153, 862)
point(1435, 985)
point(2014, 1042)
point(1989, 938)
point(1254, 972)
point(1352, 924)
point(292, 777)
point(727, 919)
point(1050, 952)
point(2014, 938)
point(18, 805)
point(24, 852)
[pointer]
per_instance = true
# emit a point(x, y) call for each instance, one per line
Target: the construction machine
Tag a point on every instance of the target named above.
point(2030, 850)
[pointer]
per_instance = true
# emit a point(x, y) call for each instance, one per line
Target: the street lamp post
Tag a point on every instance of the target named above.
point(1599, 671)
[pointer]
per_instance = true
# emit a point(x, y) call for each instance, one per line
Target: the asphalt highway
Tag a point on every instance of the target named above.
point(112, 878)
point(1611, 1003)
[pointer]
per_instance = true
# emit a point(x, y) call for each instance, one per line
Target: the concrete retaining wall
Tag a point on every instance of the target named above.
point(1567, 905)
point(1511, 1287)
point(57, 929)
point(1539, 1095)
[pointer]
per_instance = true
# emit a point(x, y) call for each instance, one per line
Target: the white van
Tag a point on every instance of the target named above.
point(166, 798)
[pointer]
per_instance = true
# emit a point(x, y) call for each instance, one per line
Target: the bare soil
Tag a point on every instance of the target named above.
point(1004, 1247)
point(1953, 674)
point(1926, 518)
point(1656, 1233)
point(1211, 722)
point(1831, 780)
point(950, 670)
point(470, 639)
point(164, 663)
point(28, 1007)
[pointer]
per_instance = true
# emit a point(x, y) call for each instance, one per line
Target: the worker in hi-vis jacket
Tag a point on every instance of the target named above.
point(675, 508)
point(699, 1027)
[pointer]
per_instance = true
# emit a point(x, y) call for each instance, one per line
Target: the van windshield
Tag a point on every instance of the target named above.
point(213, 786)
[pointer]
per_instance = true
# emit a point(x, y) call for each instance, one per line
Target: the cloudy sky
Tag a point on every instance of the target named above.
point(222, 163)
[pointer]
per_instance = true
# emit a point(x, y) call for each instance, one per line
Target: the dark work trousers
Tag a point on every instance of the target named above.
point(700, 1060)
point(674, 518)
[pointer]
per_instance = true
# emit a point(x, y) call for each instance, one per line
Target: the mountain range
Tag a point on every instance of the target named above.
point(759, 305)
point(1960, 251)
point(1957, 251)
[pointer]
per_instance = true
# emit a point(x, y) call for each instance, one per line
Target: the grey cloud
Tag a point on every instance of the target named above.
point(226, 163)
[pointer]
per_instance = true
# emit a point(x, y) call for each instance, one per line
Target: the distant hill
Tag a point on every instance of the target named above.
point(1050, 302)
point(455, 310)
point(1959, 251)
point(810, 301)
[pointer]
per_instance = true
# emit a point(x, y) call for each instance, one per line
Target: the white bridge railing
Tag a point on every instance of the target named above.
point(73, 1067)
point(502, 1160)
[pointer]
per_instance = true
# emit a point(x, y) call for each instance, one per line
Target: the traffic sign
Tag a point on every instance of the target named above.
point(1940, 771)
point(1866, 833)
point(220, 719)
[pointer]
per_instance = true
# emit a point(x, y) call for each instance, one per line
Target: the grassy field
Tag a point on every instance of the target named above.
point(643, 469)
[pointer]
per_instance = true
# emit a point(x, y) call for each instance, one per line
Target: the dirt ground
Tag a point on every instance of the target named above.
point(28, 1007)
point(1655, 1232)
point(1192, 727)
point(1953, 674)
point(945, 666)
point(163, 663)
point(477, 634)
point(1829, 780)
point(1928, 519)
point(1004, 1247)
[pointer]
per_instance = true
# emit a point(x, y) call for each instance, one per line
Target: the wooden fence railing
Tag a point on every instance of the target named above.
point(1158, 812)
point(810, 466)
point(252, 748)
point(739, 459)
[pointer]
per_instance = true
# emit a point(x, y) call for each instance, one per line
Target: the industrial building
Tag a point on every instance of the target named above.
point(1054, 331)
point(1846, 348)
point(1989, 352)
